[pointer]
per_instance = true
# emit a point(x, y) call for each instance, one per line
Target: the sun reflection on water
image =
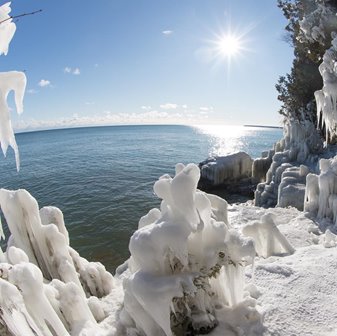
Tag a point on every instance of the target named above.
point(224, 139)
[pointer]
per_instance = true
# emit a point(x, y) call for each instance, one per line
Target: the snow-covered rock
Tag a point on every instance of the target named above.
point(226, 169)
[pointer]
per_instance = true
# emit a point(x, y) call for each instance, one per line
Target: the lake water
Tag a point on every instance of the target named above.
point(102, 177)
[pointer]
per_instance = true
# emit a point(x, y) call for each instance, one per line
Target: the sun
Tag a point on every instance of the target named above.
point(228, 45)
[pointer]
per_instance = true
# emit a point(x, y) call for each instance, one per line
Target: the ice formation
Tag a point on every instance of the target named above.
point(261, 165)
point(315, 26)
point(297, 150)
point(47, 284)
point(13, 80)
point(7, 28)
point(224, 169)
point(319, 26)
point(321, 192)
point(326, 98)
point(186, 262)
point(267, 237)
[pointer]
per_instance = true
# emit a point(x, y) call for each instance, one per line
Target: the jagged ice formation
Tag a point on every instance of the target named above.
point(13, 80)
point(186, 262)
point(285, 179)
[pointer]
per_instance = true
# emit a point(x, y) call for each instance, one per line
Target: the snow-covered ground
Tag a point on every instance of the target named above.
point(295, 293)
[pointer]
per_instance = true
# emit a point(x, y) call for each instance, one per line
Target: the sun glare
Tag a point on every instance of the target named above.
point(229, 45)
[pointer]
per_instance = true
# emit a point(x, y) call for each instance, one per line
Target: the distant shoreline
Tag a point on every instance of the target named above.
point(263, 126)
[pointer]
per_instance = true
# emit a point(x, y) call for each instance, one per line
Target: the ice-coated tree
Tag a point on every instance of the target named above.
point(310, 28)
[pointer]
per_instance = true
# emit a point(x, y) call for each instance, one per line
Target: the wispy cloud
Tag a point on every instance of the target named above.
point(146, 107)
point(206, 108)
point(167, 32)
point(110, 118)
point(168, 106)
point(44, 83)
point(74, 71)
point(32, 91)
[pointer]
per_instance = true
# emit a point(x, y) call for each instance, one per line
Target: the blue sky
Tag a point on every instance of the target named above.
point(147, 61)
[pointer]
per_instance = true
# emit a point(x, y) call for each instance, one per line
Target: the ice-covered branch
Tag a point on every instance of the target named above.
point(20, 15)
point(7, 28)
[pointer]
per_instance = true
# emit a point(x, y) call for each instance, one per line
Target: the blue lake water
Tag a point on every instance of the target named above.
point(102, 177)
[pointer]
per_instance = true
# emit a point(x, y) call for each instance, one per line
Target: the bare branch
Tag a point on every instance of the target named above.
point(21, 15)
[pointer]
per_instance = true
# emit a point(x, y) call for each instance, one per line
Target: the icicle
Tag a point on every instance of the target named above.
point(16, 81)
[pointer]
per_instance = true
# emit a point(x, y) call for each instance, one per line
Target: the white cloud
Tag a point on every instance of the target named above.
point(89, 103)
point(75, 71)
point(167, 32)
point(206, 108)
point(44, 83)
point(184, 106)
point(168, 106)
point(32, 91)
point(108, 117)
point(146, 107)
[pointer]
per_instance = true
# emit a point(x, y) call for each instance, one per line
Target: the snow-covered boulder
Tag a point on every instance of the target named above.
point(261, 166)
point(226, 169)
